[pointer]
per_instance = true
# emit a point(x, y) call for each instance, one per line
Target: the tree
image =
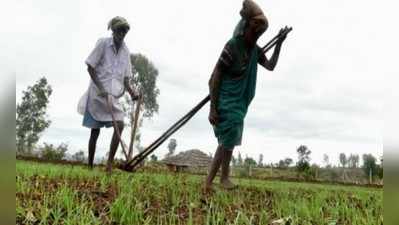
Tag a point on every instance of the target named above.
point(144, 80)
point(260, 162)
point(172, 146)
point(303, 158)
point(145, 76)
point(249, 161)
point(342, 159)
point(50, 152)
point(239, 160)
point(380, 168)
point(353, 161)
point(326, 160)
point(369, 165)
point(281, 164)
point(288, 161)
point(79, 156)
point(285, 163)
point(32, 119)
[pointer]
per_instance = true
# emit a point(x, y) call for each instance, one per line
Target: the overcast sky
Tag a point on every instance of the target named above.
point(327, 91)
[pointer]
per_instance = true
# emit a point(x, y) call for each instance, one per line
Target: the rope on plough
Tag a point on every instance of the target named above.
point(133, 163)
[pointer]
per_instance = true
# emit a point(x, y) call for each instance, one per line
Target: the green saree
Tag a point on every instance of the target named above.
point(236, 91)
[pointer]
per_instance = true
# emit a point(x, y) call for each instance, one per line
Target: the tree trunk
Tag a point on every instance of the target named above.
point(370, 176)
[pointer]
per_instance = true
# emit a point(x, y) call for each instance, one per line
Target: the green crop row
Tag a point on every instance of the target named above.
point(57, 194)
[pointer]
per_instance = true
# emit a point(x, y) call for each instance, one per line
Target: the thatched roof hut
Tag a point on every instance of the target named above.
point(189, 159)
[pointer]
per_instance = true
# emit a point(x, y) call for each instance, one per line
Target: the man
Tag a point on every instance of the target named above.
point(109, 67)
point(232, 87)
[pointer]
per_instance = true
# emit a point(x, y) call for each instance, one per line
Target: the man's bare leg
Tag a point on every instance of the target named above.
point(224, 178)
point(215, 165)
point(95, 132)
point(114, 147)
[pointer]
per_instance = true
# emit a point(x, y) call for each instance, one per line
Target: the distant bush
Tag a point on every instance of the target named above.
point(50, 152)
point(302, 167)
point(154, 158)
point(307, 173)
point(79, 156)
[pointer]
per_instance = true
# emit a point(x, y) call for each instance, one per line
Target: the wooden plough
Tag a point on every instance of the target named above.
point(132, 163)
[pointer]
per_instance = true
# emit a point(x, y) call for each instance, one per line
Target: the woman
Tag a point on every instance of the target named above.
point(232, 86)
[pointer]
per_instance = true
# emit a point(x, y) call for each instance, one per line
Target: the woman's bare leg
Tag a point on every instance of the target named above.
point(215, 165)
point(224, 178)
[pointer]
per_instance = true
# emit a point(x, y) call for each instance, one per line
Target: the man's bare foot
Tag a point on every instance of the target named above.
point(227, 184)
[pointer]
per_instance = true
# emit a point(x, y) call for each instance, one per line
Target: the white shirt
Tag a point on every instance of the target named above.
point(111, 67)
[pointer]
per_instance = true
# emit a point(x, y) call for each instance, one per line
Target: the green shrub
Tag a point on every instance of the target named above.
point(50, 152)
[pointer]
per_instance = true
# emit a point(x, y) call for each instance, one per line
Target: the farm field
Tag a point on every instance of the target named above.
point(65, 194)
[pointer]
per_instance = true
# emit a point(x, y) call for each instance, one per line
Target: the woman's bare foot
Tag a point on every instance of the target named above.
point(207, 189)
point(108, 169)
point(227, 184)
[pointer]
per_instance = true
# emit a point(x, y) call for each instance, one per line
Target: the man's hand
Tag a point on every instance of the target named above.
point(134, 97)
point(213, 116)
point(131, 90)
